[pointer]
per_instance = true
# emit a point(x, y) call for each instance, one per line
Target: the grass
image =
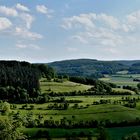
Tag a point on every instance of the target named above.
point(65, 86)
point(93, 112)
point(123, 90)
point(121, 79)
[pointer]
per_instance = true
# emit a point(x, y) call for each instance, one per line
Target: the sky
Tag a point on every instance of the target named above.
point(51, 30)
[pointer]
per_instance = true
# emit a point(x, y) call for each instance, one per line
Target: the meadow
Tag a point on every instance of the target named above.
point(85, 110)
point(65, 86)
point(122, 79)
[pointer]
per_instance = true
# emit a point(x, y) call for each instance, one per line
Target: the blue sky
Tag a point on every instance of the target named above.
point(51, 30)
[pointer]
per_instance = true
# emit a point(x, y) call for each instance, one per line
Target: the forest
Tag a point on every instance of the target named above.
point(94, 68)
point(37, 102)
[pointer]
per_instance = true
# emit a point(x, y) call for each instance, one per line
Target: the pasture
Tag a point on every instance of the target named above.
point(122, 79)
point(85, 109)
point(65, 86)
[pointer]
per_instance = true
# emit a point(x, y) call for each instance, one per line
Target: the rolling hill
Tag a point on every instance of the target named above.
point(94, 68)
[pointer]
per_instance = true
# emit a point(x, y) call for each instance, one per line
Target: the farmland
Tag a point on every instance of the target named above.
point(122, 79)
point(85, 110)
point(65, 86)
point(80, 114)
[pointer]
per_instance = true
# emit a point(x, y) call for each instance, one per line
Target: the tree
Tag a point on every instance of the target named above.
point(5, 107)
point(9, 131)
point(138, 85)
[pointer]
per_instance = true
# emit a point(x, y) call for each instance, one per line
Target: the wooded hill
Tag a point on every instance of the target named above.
point(94, 68)
point(19, 81)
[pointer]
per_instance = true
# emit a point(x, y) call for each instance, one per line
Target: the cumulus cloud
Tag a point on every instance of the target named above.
point(27, 18)
point(133, 20)
point(8, 11)
point(18, 15)
point(83, 20)
point(4, 23)
point(102, 29)
point(24, 33)
point(44, 10)
point(90, 20)
point(111, 21)
point(22, 7)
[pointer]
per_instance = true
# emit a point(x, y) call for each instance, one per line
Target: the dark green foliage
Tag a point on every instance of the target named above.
point(94, 68)
point(131, 88)
point(46, 71)
point(134, 136)
point(19, 74)
point(9, 130)
point(138, 85)
point(103, 134)
point(19, 81)
point(87, 67)
point(135, 68)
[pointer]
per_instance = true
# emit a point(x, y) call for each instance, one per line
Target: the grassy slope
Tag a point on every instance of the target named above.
point(65, 86)
point(123, 90)
point(93, 112)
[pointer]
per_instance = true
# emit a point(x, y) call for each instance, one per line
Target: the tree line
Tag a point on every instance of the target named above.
point(19, 81)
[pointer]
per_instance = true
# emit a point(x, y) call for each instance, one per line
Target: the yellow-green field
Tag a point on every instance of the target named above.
point(92, 112)
point(65, 86)
point(85, 111)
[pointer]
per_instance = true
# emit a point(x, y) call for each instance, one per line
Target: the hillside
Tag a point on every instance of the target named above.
point(94, 68)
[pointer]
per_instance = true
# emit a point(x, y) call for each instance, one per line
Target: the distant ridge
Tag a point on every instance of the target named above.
point(93, 67)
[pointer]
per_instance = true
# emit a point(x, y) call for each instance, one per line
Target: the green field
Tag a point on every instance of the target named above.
point(65, 86)
point(124, 90)
point(85, 111)
point(92, 112)
point(121, 79)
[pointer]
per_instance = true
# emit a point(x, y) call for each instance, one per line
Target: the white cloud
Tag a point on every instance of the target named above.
point(22, 7)
point(84, 20)
point(24, 33)
point(44, 10)
point(8, 11)
point(98, 29)
point(79, 38)
point(92, 21)
point(27, 18)
point(133, 20)
point(27, 46)
point(109, 20)
point(4, 23)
